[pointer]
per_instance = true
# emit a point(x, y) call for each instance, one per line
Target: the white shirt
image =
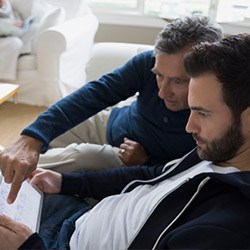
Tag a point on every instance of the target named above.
point(113, 222)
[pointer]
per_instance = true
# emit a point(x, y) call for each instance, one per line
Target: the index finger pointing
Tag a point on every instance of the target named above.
point(15, 187)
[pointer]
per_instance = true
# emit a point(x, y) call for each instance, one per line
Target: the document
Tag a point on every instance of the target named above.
point(27, 206)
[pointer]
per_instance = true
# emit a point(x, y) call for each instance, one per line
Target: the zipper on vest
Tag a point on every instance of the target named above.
point(201, 185)
point(152, 210)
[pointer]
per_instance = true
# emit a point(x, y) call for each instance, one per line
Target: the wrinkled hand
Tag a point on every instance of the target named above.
point(132, 153)
point(12, 234)
point(46, 180)
point(18, 161)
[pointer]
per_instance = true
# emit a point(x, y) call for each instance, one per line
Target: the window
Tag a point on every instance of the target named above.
point(115, 4)
point(232, 10)
point(172, 8)
point(219, 10)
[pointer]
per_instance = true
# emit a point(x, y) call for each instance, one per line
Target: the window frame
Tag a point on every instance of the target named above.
point(135, 17)
point(140, 8)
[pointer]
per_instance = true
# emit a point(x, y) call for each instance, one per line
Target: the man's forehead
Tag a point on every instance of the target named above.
point(171, 66)
point(204, 89)
point(163, 58)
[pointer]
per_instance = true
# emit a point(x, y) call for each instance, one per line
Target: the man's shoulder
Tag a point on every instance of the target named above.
point(146, 55)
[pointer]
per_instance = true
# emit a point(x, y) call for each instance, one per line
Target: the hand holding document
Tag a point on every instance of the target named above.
point(27, 206)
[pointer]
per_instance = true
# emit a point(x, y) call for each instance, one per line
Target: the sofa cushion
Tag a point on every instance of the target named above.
point(26, 62)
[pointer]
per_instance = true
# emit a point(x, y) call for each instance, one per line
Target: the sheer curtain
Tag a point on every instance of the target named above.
point(219, 10)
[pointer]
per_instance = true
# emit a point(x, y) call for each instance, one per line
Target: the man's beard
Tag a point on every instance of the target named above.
point(223, 148)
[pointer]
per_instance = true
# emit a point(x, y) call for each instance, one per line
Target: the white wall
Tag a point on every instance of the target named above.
point(129, 34)
point(136, 29)
point(128, 28)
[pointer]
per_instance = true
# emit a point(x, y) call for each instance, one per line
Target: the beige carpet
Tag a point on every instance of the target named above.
point(14, 118)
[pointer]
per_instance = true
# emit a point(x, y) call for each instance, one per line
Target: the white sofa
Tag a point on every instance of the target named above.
point(60, 47)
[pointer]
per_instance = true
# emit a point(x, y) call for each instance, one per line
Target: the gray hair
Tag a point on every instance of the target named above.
point(186, 32)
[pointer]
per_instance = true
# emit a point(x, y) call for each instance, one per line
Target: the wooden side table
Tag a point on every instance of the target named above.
point(7, 90)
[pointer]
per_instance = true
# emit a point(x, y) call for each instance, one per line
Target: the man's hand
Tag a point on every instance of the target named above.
point(132, 153)
point(46, 180)
point(18, 161)
point(12, 234)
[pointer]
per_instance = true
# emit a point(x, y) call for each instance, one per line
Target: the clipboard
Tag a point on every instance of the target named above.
point(27, 207)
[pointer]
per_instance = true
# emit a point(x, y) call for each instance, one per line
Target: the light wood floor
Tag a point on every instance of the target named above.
point(14, 118)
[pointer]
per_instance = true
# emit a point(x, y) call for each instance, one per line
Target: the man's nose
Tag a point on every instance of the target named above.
point(192, 126)
point(165, 90)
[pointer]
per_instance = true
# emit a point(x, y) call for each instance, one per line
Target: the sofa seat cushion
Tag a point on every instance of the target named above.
point(26, 62)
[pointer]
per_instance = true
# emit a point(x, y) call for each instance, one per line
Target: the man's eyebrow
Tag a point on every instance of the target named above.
point(156, 72)
point(197, 108)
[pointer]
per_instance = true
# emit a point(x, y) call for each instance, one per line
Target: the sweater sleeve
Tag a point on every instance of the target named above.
point(89, 100)
point(103, 183)
point(33, 242)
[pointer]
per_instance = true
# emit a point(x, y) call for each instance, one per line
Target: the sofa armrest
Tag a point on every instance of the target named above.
point(64, 46)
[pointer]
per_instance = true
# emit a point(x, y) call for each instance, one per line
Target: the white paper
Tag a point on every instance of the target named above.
point(26, 208)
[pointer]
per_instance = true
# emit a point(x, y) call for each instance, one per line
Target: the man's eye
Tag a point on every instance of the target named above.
point(202, 114)
point(180, 81)
point(159, 76)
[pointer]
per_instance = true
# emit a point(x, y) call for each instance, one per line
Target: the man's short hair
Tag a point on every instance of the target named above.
point(229, 61)
point(186, 32)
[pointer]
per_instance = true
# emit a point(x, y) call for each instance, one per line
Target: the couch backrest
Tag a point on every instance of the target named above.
point(107, 56)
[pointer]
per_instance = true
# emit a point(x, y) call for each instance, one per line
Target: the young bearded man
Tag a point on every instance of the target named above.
point(202, 202)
